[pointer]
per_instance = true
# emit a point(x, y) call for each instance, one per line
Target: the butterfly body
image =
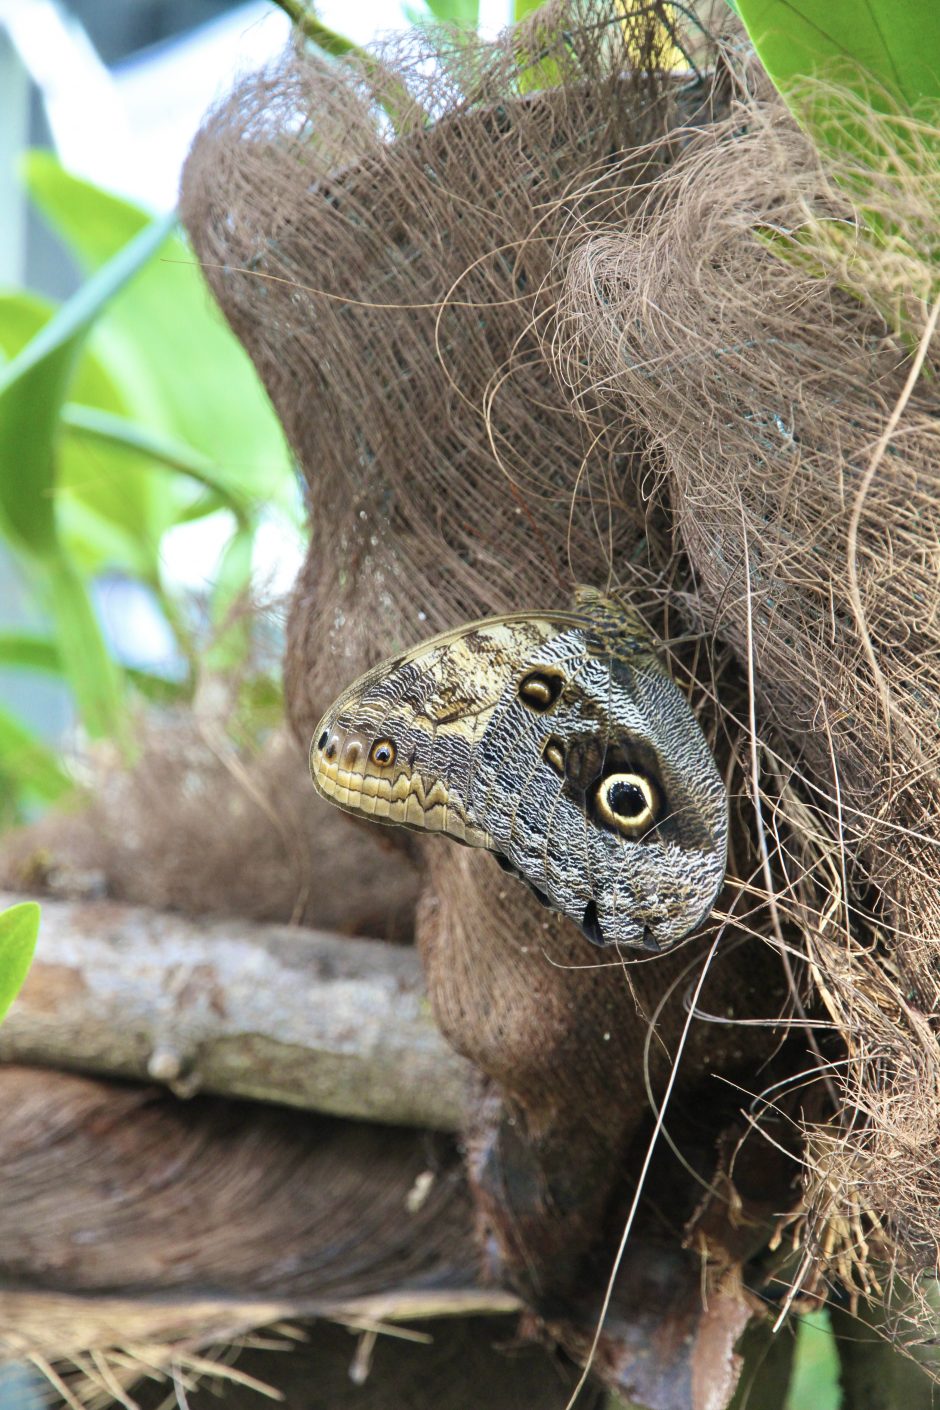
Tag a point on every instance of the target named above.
point(558, 742)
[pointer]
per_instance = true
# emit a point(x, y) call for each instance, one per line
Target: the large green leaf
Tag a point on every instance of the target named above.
point(111, 468)
point(183, 372)
point(33, 386)
point(863, 79)
point(896, 43)
point(19, 931)
point(29, 427)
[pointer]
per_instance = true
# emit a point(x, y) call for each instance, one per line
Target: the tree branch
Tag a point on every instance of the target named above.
point(274, 1013)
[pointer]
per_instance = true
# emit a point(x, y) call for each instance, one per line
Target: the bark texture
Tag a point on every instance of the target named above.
point(271, 1012)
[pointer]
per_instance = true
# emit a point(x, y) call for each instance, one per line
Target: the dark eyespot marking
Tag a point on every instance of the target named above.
point(627, 801)
point(321, 742)
point(540, 689)
point(591, 925)
point(382, 753)
point(553, 752)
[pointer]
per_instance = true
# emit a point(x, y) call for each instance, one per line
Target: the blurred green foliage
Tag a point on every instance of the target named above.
point(862, 77)
point(125, 412)
point(19, 930)
point(464, 14)
point(886, 50)
point(814, 1383)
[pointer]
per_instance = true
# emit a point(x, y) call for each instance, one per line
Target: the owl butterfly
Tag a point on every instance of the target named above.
point(558, 742)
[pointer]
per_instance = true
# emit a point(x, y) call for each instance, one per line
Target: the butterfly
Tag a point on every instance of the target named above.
point(556, 740)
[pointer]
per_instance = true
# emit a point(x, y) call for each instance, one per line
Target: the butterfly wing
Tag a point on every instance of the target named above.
point(402, 743)
point(556, 741)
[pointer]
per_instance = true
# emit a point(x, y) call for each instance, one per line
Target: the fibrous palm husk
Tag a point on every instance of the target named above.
point(546, 336)
point(136, 1229)
point(763, 318)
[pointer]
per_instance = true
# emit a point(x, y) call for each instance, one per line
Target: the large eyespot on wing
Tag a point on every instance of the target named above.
point(627, 800)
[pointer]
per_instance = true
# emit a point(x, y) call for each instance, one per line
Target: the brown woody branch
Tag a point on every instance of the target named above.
point(270, 1012)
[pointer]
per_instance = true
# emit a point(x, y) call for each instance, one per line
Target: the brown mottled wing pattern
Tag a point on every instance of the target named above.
point(558, 742)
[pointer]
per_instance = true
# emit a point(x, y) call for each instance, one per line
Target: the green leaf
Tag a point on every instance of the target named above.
point(537, 67)
point(28, 764)
point(183, 373)
point(74, 318)
point(95, 481)
point(896, 43)
point(33, 385)
point(89, 424)
point(463, 13)
point(19, 931)
point(814, 1384)
point(207, 503)
point(29, 425)
point(158, 690)
point(29, 652)
point(92, 672)
point(862, 77)
point(261, 701)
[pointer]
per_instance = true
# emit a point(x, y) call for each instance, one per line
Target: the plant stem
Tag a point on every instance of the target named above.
point(398, 104)
point(314, 29)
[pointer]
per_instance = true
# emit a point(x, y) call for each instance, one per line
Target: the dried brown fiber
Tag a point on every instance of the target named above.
point(142, 1235)
point(767, 383)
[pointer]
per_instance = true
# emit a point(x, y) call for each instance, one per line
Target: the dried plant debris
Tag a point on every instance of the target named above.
point(423, 1365)
point(131, 1220)
point(744, 317)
